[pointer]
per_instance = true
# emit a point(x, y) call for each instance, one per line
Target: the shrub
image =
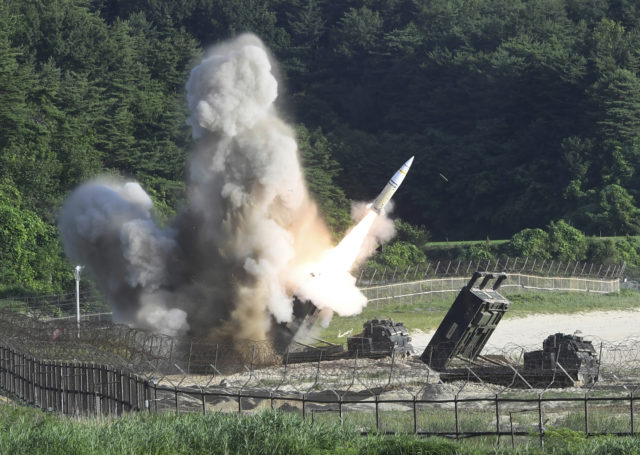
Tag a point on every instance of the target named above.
point(401, 255)
point(530, 243)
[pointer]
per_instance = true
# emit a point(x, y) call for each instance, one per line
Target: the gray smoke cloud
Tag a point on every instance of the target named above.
point(230, 262)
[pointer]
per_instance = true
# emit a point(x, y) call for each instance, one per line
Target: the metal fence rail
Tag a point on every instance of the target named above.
point(407, 286)
point(86, 389)
point(416, 291)
point(457, 268)
point(55, 305)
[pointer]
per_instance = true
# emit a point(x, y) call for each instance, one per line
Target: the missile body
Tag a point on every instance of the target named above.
point(391, 187)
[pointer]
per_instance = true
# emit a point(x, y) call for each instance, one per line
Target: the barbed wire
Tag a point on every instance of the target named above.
point(256, 365)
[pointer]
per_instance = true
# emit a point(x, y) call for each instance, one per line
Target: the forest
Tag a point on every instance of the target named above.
point(523, 116)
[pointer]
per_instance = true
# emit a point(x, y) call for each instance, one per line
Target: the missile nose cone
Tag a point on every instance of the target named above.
point(391, 187)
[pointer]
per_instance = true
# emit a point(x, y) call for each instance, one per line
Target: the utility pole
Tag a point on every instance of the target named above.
point(77, 271)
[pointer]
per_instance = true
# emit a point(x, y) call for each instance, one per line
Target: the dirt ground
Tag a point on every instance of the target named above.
point(530, 331)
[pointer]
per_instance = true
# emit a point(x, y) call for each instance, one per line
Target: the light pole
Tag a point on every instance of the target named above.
point(77, 271)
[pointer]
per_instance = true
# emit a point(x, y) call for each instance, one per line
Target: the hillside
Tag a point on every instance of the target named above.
point(518, 114)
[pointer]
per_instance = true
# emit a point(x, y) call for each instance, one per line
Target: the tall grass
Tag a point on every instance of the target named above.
point(29, 431)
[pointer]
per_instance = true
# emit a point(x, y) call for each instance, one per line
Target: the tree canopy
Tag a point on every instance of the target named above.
point(518, 113)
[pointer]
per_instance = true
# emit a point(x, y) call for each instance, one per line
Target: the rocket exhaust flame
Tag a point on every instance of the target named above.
point(337, 262)
point(343, 256)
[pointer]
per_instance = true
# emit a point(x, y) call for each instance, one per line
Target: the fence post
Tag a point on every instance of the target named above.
point(378, 413)
point(455, 411)
point(540, 430)
point(34, 380)
point(304, 410)
point(62, 369)
point(415, 416)
point(632, 416)
point(30, 381)
point(175, 391)
point(134, 396)
point(586, 416)
point(497, 421)
point(71, 389)
point(120, 392)
point(47, 386)
point(96, 390)
point(393, 358)
point(104, 404)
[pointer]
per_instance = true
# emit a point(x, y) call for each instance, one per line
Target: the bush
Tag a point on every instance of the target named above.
point(566, 242)
point(479, 251)
point(401, 255)
point(530, 243)
point(418, 235)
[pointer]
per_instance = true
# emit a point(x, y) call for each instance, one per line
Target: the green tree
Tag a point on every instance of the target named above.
point(417, 235)
point(321, 169)
point(358, 32)
point(30, 255)
point(613, 47)
point(530, 243)
point(615, 212)
point(401, 255)
point(566, 242)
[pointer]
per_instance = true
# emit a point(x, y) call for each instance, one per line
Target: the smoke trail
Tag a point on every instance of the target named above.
point(240, 248)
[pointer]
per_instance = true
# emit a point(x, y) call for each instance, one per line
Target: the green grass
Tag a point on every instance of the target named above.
point(428, 314)
point(449, 243)
point(446, 244)
point(30, 431)
point(13, 305)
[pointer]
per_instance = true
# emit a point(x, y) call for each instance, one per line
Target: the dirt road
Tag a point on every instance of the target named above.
point(530, 331)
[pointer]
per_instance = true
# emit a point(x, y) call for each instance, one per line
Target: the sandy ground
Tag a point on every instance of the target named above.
point(530, 331)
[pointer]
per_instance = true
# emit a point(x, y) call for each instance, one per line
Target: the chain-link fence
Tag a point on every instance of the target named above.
point(58, 305)
point(99, 367)
point(389, 395)
point(465, 268)
point(408, 293)
point(408, 286)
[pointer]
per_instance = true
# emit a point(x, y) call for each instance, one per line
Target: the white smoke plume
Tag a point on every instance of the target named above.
point(237, 252)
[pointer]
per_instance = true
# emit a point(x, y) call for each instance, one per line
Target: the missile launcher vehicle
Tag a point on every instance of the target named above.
point(570, 357)
point(380, 338)
point(469, 323)
point(455, 348)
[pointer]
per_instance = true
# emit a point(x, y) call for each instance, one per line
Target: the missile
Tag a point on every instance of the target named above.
point(391, 187)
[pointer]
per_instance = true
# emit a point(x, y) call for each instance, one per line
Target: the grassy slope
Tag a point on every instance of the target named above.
point(427, 315)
